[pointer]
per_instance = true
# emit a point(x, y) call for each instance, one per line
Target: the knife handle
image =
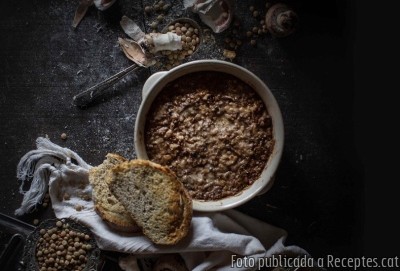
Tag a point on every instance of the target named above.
point(86, 97)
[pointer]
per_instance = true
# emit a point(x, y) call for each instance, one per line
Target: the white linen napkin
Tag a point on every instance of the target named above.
point(215, 241)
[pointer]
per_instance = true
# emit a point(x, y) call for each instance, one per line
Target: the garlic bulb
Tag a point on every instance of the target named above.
point(217, 14)
point(281, 20)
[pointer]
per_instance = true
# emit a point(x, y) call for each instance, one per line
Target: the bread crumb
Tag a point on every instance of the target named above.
point(229, 54)
point(78, 207)
point(66, 196)
point(85, 196)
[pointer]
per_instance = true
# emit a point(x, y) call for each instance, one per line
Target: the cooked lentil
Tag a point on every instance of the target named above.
point(213, 130)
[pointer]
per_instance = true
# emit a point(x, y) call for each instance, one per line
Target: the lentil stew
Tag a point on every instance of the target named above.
point(213, 130)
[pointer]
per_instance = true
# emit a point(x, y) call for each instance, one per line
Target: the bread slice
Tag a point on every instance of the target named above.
point(155, 198)
point(106, 205)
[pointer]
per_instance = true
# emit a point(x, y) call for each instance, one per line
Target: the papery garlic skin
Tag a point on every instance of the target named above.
point(103, 4)
point(155, 42)
point(131, 28)
point(134, 52)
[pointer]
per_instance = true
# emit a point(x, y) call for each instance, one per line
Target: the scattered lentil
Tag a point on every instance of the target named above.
point(160, 18)
point(166, 7)
point(154, 25)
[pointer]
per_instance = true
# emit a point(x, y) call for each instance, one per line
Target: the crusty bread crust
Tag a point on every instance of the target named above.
point(155, 198)
point(106, 205)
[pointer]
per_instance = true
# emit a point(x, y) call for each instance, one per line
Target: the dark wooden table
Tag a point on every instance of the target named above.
point(45, 62)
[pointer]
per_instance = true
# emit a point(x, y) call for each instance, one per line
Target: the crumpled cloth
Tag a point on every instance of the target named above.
point(213, 242)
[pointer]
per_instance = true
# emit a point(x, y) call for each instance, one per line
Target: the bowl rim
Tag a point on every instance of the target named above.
point(155, 83)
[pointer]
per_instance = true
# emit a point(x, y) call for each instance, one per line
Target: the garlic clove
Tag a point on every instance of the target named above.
point(159, 42)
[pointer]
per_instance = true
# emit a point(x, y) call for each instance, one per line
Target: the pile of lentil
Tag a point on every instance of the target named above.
point(62, 248)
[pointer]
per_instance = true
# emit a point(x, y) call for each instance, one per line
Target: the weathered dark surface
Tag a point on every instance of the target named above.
point(44, 63)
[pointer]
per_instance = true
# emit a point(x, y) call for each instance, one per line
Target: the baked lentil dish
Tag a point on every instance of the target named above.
point(213, 130)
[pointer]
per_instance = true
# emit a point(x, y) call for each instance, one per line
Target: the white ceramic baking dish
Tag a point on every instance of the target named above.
point(155, 84)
